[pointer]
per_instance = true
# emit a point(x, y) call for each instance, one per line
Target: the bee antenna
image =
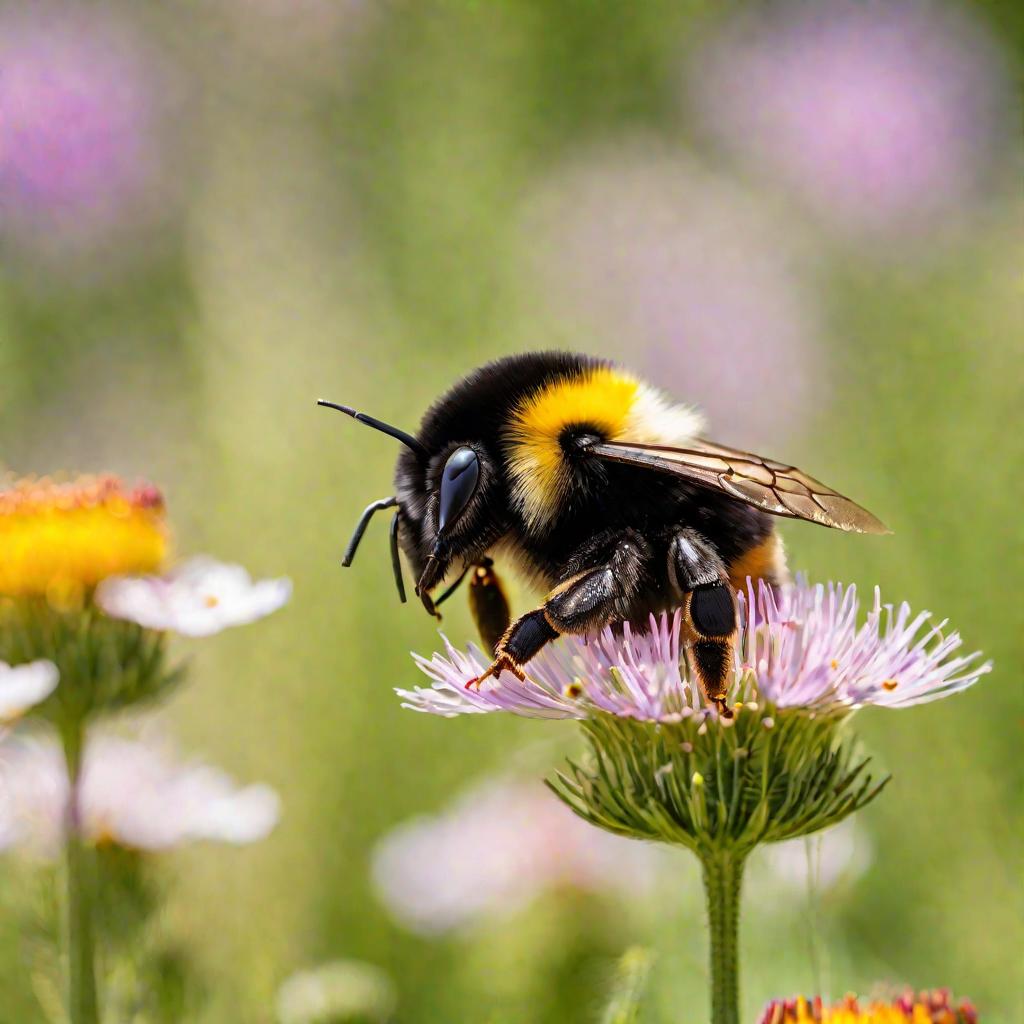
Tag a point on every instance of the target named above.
point(385, 428)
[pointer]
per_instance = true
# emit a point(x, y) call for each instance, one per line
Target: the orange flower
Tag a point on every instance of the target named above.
point(925, 1008)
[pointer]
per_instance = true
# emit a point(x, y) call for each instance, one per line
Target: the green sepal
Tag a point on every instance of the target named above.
point(729, 788)
point(105, 664)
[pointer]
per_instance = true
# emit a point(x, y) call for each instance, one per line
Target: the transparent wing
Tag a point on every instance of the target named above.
point(764, 483)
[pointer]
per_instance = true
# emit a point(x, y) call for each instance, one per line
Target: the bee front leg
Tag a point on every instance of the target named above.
point(585, 601)
point(709, 607)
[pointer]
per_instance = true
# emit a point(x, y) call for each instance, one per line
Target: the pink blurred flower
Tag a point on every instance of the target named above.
point(689, 279)
point(132, 794)
point(79, 132)
point(493, 851)
point(199, 598)
point(804, 648)
point(884, 118)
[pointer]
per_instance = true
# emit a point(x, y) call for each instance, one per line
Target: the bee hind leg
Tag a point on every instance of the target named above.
point(709, 608)
point(587, 599)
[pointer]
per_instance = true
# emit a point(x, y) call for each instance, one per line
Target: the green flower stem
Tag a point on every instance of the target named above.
point(83, 1007)
point(723, 879)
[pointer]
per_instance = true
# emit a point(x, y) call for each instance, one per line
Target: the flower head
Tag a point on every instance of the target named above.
point(70, 552)
point(199, 598)
point(935, 1007)
point(494, 850)
point(80, 144)
point(802, 648)
point(132, 795)
point(345, 990)
point(690, 276)
point(59, 539)
point(882, 118)
point(23, 686)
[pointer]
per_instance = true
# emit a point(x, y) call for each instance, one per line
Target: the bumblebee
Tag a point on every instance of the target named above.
point(602, 492)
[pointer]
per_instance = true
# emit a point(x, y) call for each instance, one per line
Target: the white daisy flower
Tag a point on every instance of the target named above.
point(132, 795)
point(24, 686)
point(200, 598)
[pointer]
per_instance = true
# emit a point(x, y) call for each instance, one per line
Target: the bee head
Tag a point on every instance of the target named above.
point(457, 520)
point(444, 502)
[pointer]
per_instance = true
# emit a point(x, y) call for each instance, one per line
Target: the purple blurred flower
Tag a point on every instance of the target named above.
point(494, 850)
point(79, 116)
point(802, 648)
point(884, 118)
point(132, 794)
point(689, 279)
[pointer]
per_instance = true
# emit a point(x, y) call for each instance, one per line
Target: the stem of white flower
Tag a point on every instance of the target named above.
point(82, 1000)
point(723, 879)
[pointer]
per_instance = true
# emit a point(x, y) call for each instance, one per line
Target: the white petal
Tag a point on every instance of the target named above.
point(200, 598)
point(23, 686)
point(33, 796)
point(133, 794)
point(244, 816)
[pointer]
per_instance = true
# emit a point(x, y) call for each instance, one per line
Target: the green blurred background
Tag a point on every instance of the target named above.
point(214, 214)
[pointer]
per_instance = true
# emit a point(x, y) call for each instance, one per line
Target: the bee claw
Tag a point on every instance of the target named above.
point(502, 663)
point(723, 708)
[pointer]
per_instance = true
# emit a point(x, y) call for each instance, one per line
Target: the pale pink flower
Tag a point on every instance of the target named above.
point(690, 279)
point(199, 598)
point(882, 117)
point(804, 647)
point(132, 794)
point(493, 851)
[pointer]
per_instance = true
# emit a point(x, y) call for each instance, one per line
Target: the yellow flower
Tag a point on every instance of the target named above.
point(58, 540)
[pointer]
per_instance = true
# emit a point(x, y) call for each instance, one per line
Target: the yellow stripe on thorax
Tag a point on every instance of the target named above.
point(601, 397)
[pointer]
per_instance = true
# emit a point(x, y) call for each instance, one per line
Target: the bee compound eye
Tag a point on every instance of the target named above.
point(458, 483)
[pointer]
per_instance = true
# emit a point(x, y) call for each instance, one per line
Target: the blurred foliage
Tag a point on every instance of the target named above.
point(350, 183)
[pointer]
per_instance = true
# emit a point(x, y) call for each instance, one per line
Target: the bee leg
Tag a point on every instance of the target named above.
point(709, 607)
point(587, 600)
point(488, 604)
point(521, 641)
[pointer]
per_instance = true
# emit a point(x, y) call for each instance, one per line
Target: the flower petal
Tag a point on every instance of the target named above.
point(168, 803)
point(800, 647)
point(24, 686)
point(200, 598)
